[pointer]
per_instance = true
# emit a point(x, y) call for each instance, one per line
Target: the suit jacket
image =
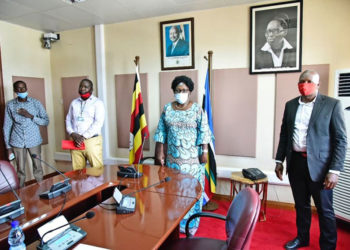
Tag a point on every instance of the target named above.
point(326, 136)
point(263, 59)
point(181, 49)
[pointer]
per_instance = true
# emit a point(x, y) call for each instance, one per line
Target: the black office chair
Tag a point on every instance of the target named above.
point(240, 223)
point(11, 175)
point(147, 158)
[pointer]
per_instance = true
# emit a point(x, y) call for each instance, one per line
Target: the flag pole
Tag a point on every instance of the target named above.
point(210, 68)
point(210, 205)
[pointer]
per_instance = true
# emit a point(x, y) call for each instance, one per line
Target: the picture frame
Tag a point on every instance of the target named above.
point(276, 38)
point(177, 44)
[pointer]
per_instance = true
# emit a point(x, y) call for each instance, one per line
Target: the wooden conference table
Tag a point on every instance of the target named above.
point(159, 209)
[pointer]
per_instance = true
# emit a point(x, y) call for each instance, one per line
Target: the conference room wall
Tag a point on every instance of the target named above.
point(226, 32)
point(223, 30)
point(22, 55)
point(72, 56)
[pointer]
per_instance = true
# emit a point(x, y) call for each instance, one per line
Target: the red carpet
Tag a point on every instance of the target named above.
point(274, 232)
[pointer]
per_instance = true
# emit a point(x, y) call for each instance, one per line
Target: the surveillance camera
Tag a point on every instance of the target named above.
point(52, 36)
point(48, 38)
point(47, 43)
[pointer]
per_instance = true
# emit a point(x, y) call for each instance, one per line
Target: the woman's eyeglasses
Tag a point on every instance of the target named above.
point(178, 91)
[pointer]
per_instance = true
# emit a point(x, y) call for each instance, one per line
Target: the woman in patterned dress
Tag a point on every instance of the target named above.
point(183, 127)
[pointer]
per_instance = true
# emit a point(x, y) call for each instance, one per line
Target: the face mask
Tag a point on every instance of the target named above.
point(22, 95)
point(85, 96)
point(181, 98)
point(307, 88)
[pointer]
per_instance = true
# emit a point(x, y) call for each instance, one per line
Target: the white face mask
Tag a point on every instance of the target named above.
point(181, 98)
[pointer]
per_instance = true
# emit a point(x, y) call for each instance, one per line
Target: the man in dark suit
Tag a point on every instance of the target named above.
point(178, 47)
point(313, 141)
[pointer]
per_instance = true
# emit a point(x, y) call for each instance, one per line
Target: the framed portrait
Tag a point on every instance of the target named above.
point(177, 44)
point(275, 37)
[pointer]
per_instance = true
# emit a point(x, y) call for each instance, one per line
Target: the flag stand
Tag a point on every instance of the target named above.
point(210, 205)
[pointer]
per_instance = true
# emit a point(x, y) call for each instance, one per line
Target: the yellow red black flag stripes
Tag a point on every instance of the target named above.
point(138, 125)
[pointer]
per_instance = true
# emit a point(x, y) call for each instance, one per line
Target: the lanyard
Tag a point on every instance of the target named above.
point(82, 107)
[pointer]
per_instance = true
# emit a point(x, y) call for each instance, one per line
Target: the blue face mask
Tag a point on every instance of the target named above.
point(22, 95)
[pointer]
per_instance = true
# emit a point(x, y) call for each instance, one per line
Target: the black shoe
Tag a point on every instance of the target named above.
point(295, 244)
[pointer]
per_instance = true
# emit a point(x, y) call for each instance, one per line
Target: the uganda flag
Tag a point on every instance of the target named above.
point(210, 166)
point(138, 125)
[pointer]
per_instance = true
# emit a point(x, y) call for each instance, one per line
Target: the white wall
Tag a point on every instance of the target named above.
point(22, 55)
point(225, 31)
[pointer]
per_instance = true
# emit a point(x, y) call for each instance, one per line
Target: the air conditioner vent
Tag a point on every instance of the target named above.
point(344, 84)
point(341, 195)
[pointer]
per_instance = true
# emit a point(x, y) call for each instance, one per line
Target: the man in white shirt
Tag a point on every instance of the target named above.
point(277, 52)
point(313, 142)
point(84, 122)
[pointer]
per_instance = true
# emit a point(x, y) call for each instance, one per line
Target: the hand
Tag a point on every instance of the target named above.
point(160, 161)
point(162, 173)
point(25, 113)
point(10, 154)
point(330, 181)
point(78, 139)
point(159, 154)
point(279, 170)
point(203, 158)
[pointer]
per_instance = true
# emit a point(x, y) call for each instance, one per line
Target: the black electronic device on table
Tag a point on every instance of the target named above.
point(58, 188)
point(13, 209)
point(70, 235)
point(128, 172)
point(125, 204)
point(253, 174)
point(64, 240)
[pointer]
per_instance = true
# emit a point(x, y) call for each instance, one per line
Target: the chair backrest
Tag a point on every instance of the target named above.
point(11, 176)
point(147, 158)
point(241, 219)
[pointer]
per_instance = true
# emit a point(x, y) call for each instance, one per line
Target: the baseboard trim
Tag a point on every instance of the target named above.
point(270, 204)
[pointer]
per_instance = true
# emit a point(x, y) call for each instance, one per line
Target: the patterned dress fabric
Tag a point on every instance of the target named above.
point(184, 131)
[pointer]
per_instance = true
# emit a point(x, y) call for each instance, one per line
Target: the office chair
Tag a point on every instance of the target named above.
point(147, 158)
point(11, 175)
point(240, 223)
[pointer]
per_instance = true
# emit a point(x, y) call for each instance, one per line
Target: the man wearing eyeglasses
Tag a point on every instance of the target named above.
point(277, 52)
point(313, 141)
point(178, 46)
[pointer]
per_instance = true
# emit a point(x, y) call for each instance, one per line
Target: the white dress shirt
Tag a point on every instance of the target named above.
point(85, 117)
point(277, 60)
point(301, 124)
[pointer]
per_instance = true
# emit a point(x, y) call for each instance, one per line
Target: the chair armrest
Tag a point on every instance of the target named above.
point(146, 158)
point(202, 214)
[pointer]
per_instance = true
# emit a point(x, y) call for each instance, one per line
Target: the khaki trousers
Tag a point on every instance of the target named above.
point(21, 158)
point(92, 153)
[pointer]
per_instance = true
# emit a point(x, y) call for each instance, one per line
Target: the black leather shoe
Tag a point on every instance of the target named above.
point(295, 244)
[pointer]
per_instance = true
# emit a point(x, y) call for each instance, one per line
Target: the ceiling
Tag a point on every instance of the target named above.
point(60, 15)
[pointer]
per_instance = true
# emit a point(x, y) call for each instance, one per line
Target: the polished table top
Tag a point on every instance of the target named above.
point(159, 209)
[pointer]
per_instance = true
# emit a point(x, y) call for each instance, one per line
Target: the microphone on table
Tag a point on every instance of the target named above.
point(88, 215)
point(58, 188)
point(130, 171)
point(166, 179)
point(125, 203)
point(13, 209)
